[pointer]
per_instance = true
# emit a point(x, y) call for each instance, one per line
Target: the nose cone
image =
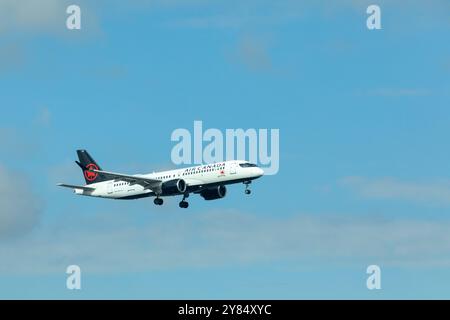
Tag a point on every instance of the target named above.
point(258, 172)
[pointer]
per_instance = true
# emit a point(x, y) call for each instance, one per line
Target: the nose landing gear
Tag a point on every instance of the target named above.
point(247, 188)
point(158, 201)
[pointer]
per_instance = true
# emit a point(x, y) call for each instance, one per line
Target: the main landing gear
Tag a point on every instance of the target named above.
point(158, 201)
point(247, 188)
point(184, 204)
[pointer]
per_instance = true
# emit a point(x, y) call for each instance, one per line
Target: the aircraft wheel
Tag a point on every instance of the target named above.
point(184, 204)
point(158, 201)
point(248, 191)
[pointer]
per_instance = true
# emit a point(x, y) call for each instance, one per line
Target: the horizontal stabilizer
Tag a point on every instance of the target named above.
point(75, 187)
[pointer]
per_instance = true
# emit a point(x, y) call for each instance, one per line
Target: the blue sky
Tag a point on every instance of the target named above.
point(364, 164)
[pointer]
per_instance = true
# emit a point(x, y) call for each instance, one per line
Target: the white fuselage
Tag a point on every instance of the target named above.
point(203, 176)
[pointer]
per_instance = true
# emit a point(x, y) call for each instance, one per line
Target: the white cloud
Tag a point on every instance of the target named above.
point(12, 57)
point(14, 143)
point(31, 15)
point(235, 14)
point(432, 193)
point(238, 15)
point(43, 117)
point(253, 53)
point(114, 243)
point(400, 92)
point(50, 15)
point(45, 17)
point(20, 209)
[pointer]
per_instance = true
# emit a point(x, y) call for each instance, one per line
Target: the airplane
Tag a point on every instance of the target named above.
point(207, 180)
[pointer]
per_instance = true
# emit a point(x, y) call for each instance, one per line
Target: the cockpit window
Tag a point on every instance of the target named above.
point(247, 165)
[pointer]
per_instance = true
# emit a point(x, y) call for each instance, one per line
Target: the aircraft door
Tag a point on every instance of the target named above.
point(109, 188)
point(233, 168)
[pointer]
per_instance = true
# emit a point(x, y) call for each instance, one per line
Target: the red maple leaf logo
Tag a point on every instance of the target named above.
point(89, 175)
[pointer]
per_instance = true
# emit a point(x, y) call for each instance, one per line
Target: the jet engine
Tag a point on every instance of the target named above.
point(173, 187)
point(214, 193)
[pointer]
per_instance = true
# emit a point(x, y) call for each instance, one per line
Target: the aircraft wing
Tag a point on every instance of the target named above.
point(143, 181)
point(75, 187)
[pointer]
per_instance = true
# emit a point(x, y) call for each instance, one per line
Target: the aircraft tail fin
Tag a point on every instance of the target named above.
point(87, 163)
